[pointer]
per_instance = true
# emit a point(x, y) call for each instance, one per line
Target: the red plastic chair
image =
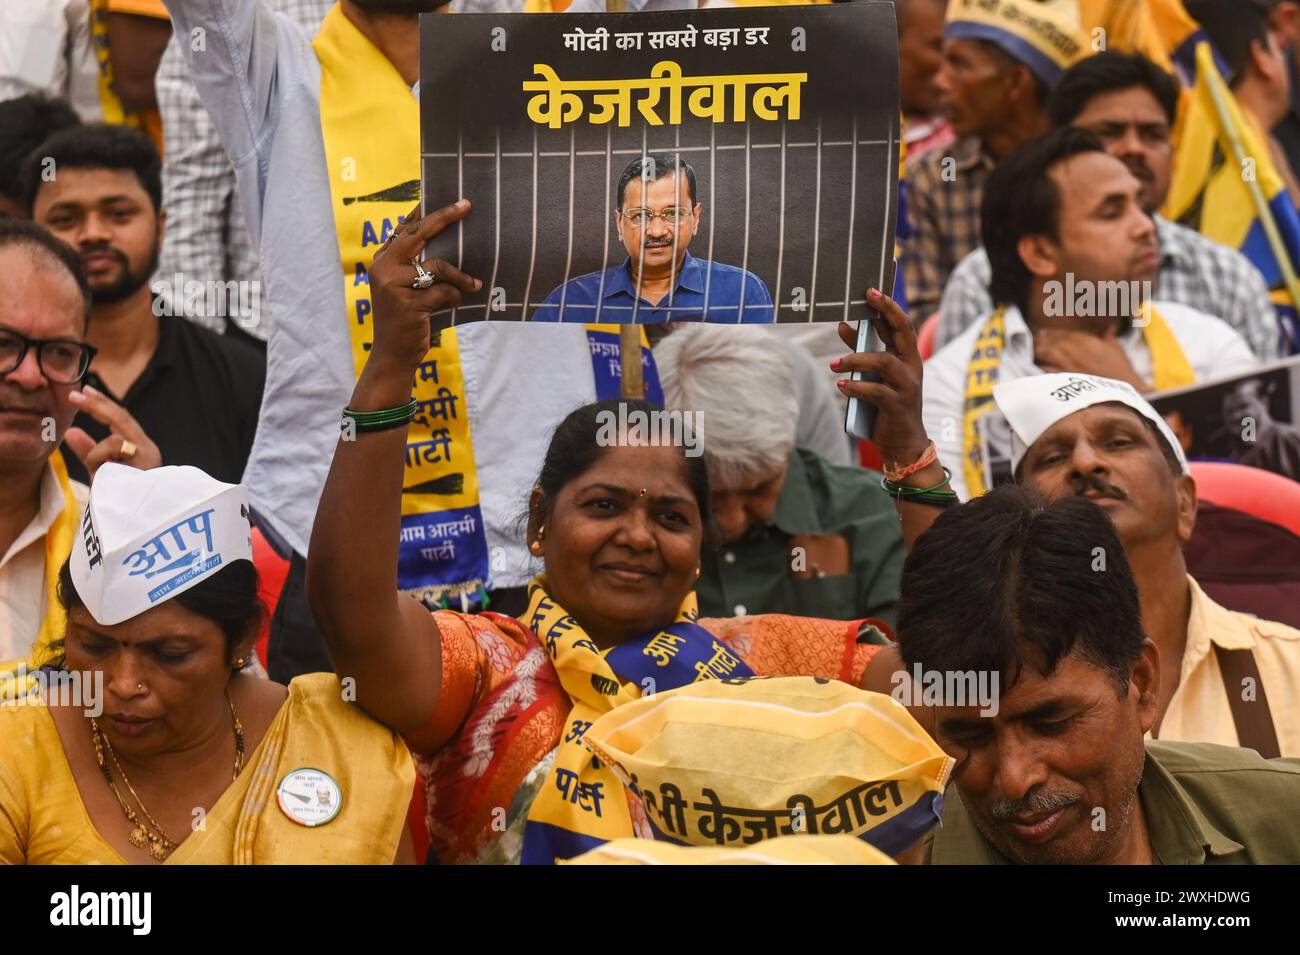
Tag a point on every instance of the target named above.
point(272, 569)
point(1268, 496)
point(926, 336)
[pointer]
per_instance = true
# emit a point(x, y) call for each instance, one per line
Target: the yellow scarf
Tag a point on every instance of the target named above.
point(582, 803)
point(313, 730)
point(370, 122)
point(58, 546)
point(1170, 369)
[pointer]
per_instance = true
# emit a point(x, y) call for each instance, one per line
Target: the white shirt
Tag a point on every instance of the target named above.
point(45, 47)
point(1211, 346)
point(24, 591)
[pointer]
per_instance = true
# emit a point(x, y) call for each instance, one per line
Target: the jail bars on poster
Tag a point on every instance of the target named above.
point(734, 166)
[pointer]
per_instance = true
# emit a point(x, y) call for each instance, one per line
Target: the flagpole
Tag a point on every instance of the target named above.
point(632, 383)
point(1275, 242)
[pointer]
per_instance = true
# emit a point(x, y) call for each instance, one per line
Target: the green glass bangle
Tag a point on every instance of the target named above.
point(905, 491)
point(381, 420)
point(936, 499)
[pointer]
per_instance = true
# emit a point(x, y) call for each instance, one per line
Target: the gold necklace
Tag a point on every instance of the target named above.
point(157, 841)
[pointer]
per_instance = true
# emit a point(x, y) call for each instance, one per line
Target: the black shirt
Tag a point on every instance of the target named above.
point(198, 399)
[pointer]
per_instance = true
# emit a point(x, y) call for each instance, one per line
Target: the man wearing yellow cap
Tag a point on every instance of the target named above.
point(1000, 61)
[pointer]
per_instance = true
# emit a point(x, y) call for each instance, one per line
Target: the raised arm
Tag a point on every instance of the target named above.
point(387, 642)
point(198, 185)
point(241, 57)
point(900, 432)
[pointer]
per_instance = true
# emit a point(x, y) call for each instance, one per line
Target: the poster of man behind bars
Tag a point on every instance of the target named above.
point(719, 165)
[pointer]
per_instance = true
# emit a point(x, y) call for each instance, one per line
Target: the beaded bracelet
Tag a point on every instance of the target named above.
point(384, 419)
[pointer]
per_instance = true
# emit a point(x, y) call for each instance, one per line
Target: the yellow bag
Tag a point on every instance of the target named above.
point(736, 762)
point(785, 850)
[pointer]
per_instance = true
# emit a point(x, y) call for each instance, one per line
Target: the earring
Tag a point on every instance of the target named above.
point(541, 532)
point(241, 663)
point(536, 547)
point(697, 573)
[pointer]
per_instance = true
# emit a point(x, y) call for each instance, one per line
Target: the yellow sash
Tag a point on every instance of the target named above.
point(370, 122)
point(1170, 369)
point(58, 545)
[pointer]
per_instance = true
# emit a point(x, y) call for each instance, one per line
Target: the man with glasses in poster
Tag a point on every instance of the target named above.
point(657, 216)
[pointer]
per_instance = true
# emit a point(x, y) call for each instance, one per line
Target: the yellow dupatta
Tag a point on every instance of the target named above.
point(1170, 369)
point(315, 729)
point(43, 818)
point(370, 125)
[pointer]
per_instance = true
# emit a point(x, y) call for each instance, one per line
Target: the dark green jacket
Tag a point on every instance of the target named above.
point(1204, 804)
point(753, 575)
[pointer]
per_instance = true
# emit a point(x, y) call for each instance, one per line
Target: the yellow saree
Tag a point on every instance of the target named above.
point(43, 820)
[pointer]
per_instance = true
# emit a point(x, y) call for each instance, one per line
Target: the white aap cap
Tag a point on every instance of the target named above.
point(147, 536)
point(1032, 405)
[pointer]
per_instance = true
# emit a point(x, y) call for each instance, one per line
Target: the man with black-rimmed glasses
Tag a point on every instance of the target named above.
point(44, 310)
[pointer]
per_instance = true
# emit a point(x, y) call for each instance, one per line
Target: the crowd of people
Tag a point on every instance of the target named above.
point(187, 414)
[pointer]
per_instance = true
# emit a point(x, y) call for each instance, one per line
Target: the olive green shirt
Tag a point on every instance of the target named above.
point(1205, 805)
point(753, 575)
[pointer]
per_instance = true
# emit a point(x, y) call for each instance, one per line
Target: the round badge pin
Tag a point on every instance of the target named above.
point(309, 797)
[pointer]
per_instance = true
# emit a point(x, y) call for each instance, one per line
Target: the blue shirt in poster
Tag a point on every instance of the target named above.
point(610, 296)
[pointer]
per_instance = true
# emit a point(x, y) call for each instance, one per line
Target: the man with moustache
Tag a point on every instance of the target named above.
point(1130, 104)
point(1073, 254)
point(1224, 677)
point(657, 212)
point(1061, 773)
point(44, 307)
point(196, 393)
